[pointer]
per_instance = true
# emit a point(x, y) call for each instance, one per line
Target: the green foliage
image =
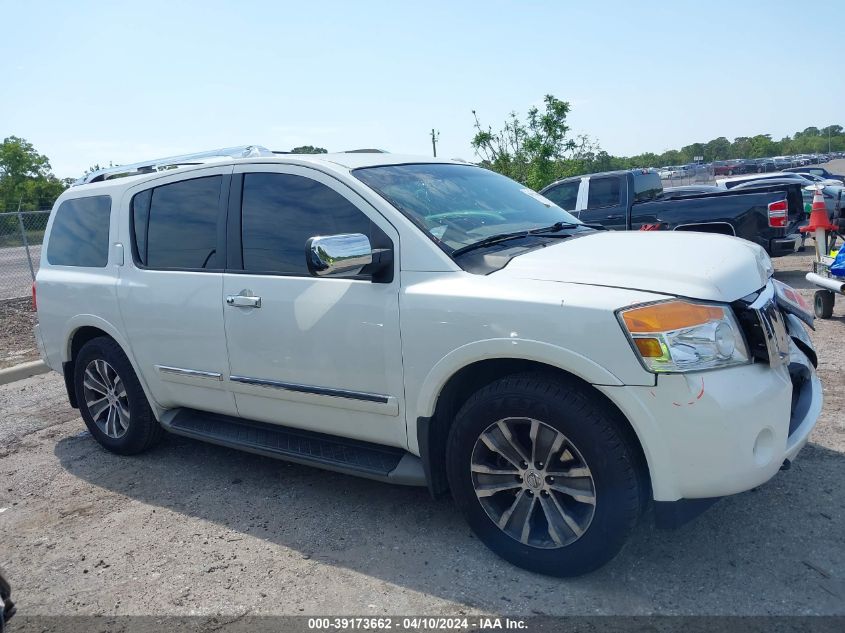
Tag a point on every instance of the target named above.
point(812, 140)
point(308, 149)
point(539, 151)
point(531, 151)
point(25, 177)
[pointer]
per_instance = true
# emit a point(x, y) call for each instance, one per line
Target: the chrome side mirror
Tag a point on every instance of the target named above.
point(338, 254)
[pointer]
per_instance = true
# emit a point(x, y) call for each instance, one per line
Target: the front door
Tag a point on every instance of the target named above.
point(317, 353)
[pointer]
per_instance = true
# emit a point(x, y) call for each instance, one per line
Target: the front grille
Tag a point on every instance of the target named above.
point(764, 327)
point(755, 334)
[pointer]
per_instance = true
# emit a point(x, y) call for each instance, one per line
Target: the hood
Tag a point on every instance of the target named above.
point(695, 265)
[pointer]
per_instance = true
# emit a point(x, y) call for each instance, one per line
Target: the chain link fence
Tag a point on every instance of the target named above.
point(21, 234)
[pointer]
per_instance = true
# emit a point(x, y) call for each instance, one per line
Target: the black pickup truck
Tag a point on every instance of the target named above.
point(634, 199)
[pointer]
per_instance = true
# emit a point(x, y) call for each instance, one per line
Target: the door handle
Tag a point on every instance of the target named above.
point(244, 300)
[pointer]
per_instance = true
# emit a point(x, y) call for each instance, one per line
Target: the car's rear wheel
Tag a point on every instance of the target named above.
point(544, 474)
point(111, 399)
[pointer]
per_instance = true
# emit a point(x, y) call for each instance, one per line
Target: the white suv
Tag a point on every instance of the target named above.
point(430, 323)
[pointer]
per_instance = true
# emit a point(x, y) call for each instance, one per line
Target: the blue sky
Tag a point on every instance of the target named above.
point(117, 81)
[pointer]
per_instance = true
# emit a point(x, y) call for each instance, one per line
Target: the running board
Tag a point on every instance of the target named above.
point(364, 459)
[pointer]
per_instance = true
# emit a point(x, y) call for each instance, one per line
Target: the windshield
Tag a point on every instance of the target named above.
point(459, 205)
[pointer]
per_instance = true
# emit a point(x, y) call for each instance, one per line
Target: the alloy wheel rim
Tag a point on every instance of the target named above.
point(106, 399)
point(533, 483)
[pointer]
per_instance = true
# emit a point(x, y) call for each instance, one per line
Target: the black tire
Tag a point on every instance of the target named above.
point(142, 430)
point(823, 302)
point(7, 607)
point(568, 407)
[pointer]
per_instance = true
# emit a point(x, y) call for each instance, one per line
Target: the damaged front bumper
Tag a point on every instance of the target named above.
point(711, 434)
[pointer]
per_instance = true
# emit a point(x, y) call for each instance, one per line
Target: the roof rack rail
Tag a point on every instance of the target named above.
point(156, 164)
point(365, 151)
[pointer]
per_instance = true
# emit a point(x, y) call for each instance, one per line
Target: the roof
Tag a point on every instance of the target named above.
point(765, 176)
point(354, 160)
point(615, 172)
point(138, 172)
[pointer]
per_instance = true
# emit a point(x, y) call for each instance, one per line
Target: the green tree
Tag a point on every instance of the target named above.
point(762, 146)
point(25, 177)
point(717, 149)
point(308, 149)
point(19, 160)
point(530, 151)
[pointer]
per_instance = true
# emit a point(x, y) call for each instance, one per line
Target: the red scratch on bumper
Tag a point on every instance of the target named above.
point(697, 398)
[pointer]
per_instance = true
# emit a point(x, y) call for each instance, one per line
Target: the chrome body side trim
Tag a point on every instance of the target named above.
point(319, 391)
point(188, 373)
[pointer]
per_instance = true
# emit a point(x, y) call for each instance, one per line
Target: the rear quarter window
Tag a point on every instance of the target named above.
point(79, 235)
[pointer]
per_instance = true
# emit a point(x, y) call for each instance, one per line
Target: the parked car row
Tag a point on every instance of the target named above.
point(738, 166)
point(833, 188)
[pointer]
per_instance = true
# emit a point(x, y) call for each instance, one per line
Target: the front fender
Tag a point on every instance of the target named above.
point(511, 349)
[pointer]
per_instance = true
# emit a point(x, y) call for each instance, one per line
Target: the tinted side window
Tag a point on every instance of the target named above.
point(647, 186)
point(80, 233)
point(604, 192)
point(175, 225)
point(565, 196)
point(140, 224)
point(281, 211)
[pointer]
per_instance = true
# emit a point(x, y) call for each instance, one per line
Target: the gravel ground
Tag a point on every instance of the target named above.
point(191, 528)
point(17, 344)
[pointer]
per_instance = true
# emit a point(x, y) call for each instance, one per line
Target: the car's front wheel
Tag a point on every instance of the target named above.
point(111, 399)
point(544, 474)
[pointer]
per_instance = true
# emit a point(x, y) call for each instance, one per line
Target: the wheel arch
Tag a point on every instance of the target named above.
point(432, 430)
point(719, 228)
point(85, 328)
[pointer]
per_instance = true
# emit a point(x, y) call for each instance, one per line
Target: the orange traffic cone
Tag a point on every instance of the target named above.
point(819, 224)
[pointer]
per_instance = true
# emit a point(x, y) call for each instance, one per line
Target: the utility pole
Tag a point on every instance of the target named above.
point(435, 136)
point(828, 138)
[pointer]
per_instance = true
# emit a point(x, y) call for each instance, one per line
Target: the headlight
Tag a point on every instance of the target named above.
point(680, 336)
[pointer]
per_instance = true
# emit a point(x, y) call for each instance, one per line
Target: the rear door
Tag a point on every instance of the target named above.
point(317, 353)
point(170, 288)
point(606, 202)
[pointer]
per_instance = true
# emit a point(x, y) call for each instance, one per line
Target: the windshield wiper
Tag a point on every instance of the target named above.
point(491, 239)
point(502, 237)
point(557, 227)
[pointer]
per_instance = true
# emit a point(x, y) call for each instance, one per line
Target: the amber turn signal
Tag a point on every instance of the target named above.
point(648, 347)
point(669, 316)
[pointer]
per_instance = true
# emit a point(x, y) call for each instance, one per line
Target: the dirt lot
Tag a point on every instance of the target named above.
point(17, 344)
point(191, 528)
